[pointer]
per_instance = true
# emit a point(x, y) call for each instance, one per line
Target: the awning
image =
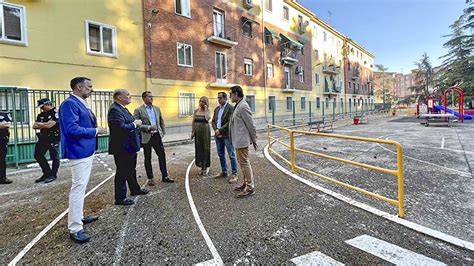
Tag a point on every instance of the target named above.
point(293, 42)
point(273, 33)
point(248, 20)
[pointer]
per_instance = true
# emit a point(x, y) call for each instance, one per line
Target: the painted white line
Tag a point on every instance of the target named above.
point(109, 169)
point(442, 143)
point(208, 263)
point(210, 245)
point(315, 258)
point(390, 252)
point(47, 228)
point(432, 164)
point(414, 226)
point(120, 245)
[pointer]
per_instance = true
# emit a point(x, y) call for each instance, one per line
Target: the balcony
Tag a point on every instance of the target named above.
point(288, 56)
point(331, 89)
point(355, 74)
point(222, 35)
point(330, 69)
point(370, 80)
point(221, 78)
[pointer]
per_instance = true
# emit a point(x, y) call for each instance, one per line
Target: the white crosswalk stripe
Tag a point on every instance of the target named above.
point(316, 258)
point(390, 252)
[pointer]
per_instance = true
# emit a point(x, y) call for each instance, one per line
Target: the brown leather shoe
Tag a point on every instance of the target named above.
point(246, 193)
point(151, 182)
point(240, 188)
point(221, 175)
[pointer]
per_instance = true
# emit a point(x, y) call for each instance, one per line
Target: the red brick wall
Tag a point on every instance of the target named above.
point(168, 28)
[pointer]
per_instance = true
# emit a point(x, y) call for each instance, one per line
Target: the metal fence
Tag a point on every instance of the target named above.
point(177, 112)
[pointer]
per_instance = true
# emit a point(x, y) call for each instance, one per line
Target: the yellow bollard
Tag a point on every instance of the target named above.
point(401, 194)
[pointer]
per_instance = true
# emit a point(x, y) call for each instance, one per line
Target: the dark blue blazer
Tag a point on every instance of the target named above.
point(78, 129)
point(124, 136)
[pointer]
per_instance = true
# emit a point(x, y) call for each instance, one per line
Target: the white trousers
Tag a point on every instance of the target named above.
point(81, 172)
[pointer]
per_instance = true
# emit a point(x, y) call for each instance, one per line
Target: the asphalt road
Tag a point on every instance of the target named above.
point(284, 220)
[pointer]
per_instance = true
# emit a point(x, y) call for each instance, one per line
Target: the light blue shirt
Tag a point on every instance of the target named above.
point(82, 101)
point(219, 115)
point(151, 114)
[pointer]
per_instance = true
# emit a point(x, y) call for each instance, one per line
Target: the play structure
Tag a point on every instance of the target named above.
point(433, 108)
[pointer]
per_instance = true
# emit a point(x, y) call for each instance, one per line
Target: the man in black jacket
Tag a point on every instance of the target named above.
point(5, 124)
point(124, 144)
point(220, 124)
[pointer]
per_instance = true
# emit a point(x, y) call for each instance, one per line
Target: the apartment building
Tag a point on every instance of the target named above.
point(43, 44)
point(385, 85)
point(359, 65)
point(199, 48)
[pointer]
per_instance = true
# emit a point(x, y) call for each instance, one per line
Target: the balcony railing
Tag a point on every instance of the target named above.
point(331, 69)
point(355, 74)
point(288, 56)
point(221, 34)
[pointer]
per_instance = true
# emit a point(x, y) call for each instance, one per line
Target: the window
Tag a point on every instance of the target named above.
point(316, 54)
point(268, 5)
point(268, 39)
point(184, 54)
point(218, 23)
point(303, 103)
point(247, 28)
point(248, 66)
point(350, 103)
point(318, 102)
point(186, 103)
point(286, 13)
point(332, 40)
point(183, 8)
point(270, 73)
point(12, 24)
point(348, 85)
point(315, 32)
point(300, 24)
point(289, 103)
point(325, 38)
point(221, 68)
point(271, 103)
point(101, 39)
point(327, 102)
point(250, 99)
point(301, 75)
point(317, 78)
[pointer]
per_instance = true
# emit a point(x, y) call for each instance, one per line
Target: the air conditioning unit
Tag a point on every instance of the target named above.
point(299, 69)
point(248, 4)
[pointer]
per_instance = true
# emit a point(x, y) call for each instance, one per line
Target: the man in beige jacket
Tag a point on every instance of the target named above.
point(152, 132)
point(242, 134)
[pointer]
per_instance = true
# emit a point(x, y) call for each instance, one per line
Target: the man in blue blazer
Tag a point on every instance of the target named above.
point(78, 127)
point(124, 143)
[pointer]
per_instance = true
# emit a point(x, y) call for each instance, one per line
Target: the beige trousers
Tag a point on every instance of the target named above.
point(245, 167)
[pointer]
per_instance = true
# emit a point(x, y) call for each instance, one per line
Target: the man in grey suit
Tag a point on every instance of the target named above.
point(243, 133)
point(152, 132)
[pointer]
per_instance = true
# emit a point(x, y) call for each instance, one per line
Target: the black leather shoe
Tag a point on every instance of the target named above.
point(167, 180)
point(5, 181)
point(140, 192)
point(41, 179)
point(50, 179)
point(125, 202)
point(89, 219)
point(80, 237)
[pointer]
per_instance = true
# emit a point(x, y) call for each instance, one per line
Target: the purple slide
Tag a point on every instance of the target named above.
point(441, 108)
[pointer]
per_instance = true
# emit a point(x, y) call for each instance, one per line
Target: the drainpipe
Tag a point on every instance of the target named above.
point(264, 64)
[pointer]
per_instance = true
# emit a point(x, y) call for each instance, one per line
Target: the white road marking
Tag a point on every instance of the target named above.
point(217, 258)
point(47, 228)
point(432, 164)
point(414, 226)
point(442, 143)
point(315, 258)
point(209, 262)
point(390, 252)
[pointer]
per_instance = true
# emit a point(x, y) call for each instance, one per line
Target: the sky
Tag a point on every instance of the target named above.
point(398, 32)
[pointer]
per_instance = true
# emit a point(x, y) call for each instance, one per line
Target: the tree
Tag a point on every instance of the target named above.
point(458, 65)
point(424, 78)
point(383, 86)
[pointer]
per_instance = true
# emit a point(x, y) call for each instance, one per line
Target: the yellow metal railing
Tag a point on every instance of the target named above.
point(294, 167)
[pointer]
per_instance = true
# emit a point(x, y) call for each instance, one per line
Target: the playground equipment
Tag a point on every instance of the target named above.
point(433, 108)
